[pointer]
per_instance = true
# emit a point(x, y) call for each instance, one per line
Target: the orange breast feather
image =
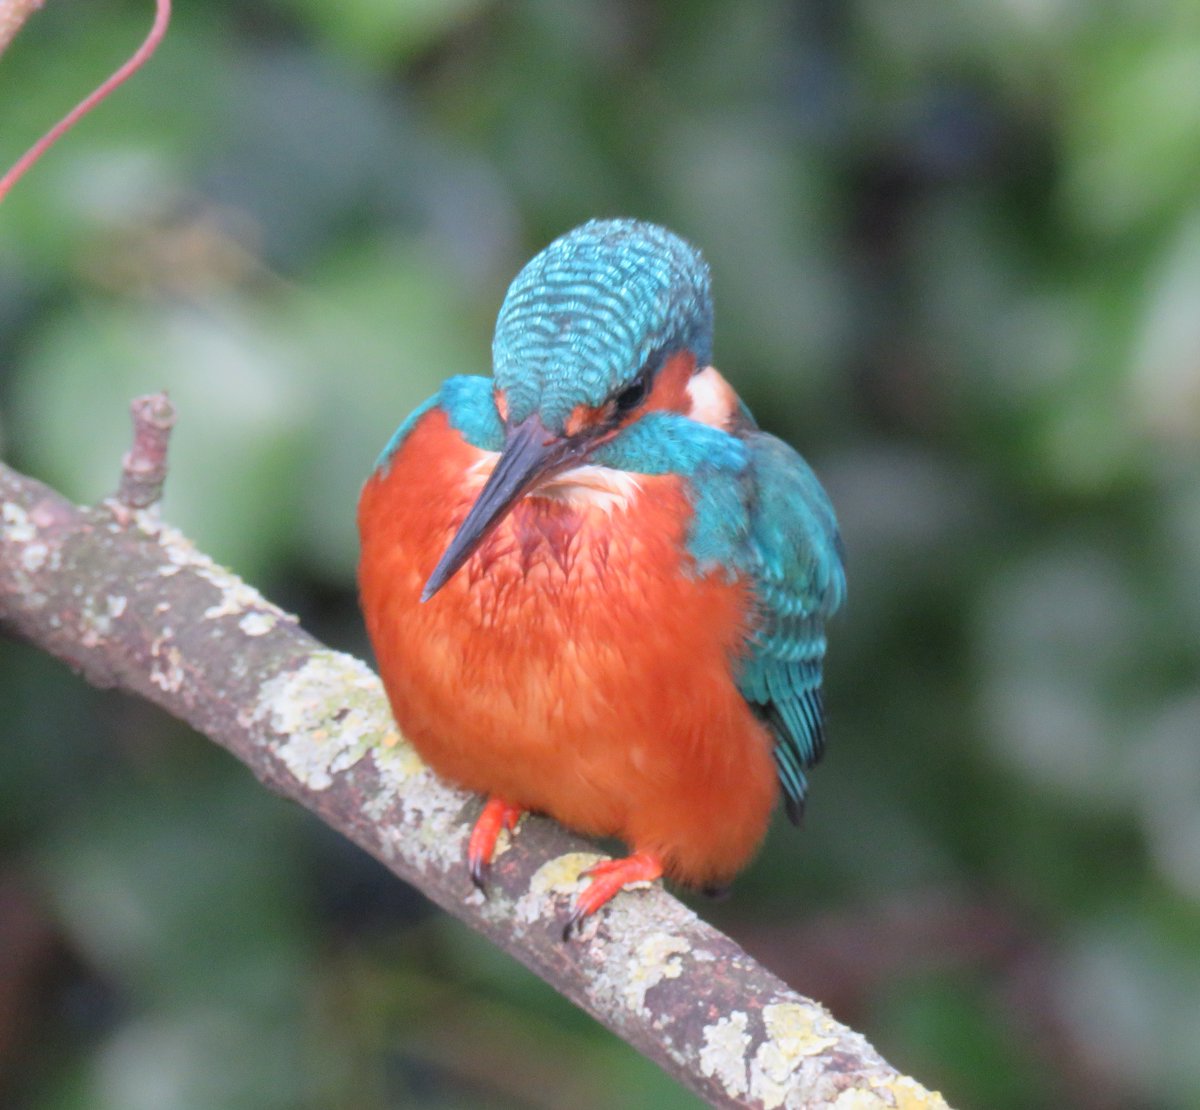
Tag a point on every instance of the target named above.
point(572, 666)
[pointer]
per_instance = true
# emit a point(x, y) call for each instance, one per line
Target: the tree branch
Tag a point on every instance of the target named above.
point(129, 602)
point(144, 467)
point(13, 14)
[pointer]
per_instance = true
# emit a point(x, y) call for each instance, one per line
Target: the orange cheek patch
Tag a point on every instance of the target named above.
point(670, 385)
point(583, 417)
point(669, 392)
point(501, 404)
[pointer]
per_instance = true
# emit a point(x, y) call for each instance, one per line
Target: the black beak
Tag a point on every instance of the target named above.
point(530, 454)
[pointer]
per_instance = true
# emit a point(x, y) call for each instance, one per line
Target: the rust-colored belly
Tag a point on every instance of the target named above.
point(573, 665)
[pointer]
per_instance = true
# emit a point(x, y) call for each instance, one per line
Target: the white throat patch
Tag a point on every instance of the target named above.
point(590, 485)
point(581, 487)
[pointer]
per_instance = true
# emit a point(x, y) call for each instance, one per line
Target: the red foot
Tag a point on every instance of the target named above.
point(497, 814)
point(607, 879)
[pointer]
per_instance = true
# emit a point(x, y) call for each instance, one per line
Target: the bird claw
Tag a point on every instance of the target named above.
point(479, 872)
point(497, 814)
point(607, 879)
point(574, 925)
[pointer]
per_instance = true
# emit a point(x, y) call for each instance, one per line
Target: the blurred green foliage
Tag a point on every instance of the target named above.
point(956, 253)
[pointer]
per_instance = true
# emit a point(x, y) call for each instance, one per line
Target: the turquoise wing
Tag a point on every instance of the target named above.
point(793, 555)
point(470, 404)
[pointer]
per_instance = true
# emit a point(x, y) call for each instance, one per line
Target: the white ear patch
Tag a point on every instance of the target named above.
point(712, 398)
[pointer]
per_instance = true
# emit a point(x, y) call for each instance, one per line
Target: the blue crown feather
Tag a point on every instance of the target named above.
point(585, 315)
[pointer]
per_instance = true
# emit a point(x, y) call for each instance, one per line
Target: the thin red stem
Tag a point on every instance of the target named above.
point(162, 16)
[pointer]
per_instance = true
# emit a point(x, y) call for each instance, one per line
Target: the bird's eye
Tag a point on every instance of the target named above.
point(631, 396)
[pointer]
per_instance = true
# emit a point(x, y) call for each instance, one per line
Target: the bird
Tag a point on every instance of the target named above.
point(594, 588)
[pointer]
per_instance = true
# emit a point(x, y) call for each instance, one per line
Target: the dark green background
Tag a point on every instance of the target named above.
point(956, 257)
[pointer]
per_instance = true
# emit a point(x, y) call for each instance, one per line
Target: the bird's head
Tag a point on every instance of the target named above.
point(608, 321)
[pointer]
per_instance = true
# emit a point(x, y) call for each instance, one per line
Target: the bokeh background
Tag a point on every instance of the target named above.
point(956, 255)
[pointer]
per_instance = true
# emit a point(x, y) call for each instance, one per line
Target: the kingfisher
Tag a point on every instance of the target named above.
point(594, 588)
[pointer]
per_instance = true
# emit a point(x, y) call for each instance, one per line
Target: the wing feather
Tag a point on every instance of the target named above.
point(792, 553)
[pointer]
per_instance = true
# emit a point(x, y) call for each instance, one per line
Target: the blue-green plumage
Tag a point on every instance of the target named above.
point(794, 557)
point(592, 318)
